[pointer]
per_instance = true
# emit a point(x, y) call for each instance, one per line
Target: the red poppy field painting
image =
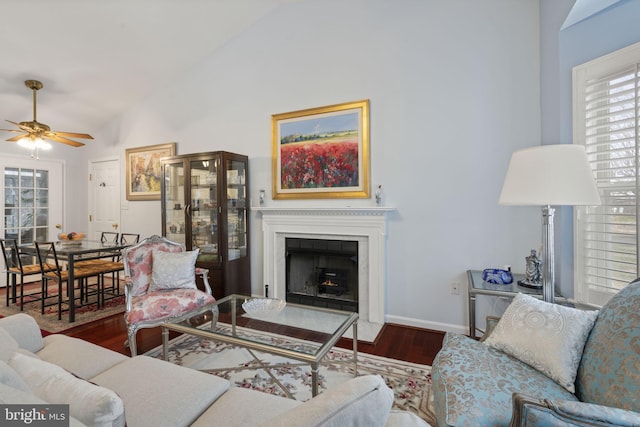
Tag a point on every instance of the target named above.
point(322, 152)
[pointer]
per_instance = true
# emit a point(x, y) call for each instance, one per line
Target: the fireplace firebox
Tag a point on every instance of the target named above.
point(322, 273)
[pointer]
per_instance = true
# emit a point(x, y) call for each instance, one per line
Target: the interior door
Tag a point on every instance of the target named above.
point(32, 195)
point(104, 197)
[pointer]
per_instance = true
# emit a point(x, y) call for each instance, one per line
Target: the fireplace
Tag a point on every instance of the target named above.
point(322, 272)
point(364, 227)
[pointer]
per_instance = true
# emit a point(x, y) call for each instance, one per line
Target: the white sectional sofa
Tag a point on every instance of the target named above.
point(105, 388)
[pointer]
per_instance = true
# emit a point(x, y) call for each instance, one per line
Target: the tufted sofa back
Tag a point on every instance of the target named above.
point(609, 372)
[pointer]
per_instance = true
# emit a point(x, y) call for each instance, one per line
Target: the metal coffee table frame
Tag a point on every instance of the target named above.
point(351, 320)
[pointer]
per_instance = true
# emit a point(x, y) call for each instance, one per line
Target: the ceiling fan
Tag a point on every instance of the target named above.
point(33, 131)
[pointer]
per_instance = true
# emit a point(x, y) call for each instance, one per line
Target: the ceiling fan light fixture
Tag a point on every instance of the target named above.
point(34, 144)
point(31, 143)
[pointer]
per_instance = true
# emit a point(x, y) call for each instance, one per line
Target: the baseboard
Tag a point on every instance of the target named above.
point(424, 324)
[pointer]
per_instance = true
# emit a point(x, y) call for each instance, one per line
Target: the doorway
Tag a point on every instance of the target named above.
point(104, 197)
point(32, 194)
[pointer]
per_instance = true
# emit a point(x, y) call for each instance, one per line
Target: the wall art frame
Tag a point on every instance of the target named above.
point(321, 153)
point(143, 170)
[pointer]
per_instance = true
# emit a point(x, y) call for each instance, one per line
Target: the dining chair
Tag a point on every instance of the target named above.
point(15, 268)
point(48, 256)
point(129, 238)
point(117, 265)
point(102, 267)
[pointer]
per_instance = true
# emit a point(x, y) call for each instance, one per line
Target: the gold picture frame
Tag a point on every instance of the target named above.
point(144, 171)
point(321, 153)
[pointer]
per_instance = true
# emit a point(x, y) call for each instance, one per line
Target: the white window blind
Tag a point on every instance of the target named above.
point(606, 100)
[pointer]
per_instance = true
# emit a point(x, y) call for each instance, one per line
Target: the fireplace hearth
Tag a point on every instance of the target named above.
point(322, 273)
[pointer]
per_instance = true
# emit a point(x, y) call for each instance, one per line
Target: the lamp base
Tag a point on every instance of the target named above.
point(529, 284)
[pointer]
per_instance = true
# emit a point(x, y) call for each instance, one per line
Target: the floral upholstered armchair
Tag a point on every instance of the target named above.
point(489, 384)
point(160, 285)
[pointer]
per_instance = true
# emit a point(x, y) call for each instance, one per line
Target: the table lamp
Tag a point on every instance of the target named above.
point(549, 175)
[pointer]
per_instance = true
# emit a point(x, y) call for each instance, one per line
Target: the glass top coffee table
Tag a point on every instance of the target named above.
point(320, 328)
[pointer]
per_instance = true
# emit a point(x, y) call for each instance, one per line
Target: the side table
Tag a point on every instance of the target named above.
point(477, 286)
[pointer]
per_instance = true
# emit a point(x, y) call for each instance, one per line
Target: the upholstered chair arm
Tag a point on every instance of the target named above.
point(24, 329)
point(205, 279)
point(529, 411)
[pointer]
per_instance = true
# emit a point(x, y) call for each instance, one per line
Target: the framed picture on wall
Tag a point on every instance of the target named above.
point(321, 152)
point(143, 170)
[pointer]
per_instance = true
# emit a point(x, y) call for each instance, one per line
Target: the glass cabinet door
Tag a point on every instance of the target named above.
point(204, 208)
point(236, 210)
point(175, 204)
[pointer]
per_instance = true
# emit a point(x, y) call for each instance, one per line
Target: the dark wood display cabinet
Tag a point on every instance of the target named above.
point(204, 205)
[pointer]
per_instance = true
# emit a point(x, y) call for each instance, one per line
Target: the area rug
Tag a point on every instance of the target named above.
point(247, 368)
point(49, 322)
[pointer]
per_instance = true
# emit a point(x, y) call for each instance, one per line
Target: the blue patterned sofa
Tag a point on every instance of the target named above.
point(474, 384)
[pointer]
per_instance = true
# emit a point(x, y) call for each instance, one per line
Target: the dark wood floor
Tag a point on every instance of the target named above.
point(395, 341)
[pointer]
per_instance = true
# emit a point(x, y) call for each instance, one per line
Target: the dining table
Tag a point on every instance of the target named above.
point(72, 251)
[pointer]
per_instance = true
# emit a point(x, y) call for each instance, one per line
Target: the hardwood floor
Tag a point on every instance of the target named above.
point(395, 341)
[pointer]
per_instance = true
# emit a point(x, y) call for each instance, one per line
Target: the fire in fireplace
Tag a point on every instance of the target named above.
point(322, 273)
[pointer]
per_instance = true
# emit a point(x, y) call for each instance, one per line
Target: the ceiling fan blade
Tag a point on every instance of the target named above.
point(18, 137)
point(21, 126)
point(11, 130)
point(73, 135)
point(52, 136)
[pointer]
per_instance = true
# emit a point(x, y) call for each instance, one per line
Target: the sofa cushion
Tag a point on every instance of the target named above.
point(13, 396)
point(363, 401)
point(10, 377)
point(25, 330)
point(8, 345)
point(549, 337)
point(91, 404)
point(158, 393)
point(472, 383)
point(609, 372)
point(82, 358)
point(173, 270)
point(398, 418)
point(263, 406)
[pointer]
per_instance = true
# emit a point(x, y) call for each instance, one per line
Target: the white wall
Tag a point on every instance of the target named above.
point(454, 89)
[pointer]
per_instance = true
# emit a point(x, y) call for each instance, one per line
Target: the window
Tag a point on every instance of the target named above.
point(606, 99)
point(26, 204)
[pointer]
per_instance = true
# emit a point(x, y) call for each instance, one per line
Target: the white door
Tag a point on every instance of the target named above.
point(104, 197)
point(32, 198)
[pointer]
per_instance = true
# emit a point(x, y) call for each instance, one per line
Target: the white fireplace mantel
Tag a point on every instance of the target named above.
point(366, 225)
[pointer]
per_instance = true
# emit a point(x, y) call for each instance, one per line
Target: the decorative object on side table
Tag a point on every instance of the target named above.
point(497, 276)
point(533, 272)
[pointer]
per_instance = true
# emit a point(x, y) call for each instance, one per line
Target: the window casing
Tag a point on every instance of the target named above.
point(606, 97)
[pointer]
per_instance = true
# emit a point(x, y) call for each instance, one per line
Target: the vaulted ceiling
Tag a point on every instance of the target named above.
point(97, 58)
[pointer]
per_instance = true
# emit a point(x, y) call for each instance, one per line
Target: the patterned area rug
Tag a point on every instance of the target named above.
point(246, 368)
point(49, 322)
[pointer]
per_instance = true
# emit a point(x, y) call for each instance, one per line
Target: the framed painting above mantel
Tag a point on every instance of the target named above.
point(321, 153)
point(144, 172)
